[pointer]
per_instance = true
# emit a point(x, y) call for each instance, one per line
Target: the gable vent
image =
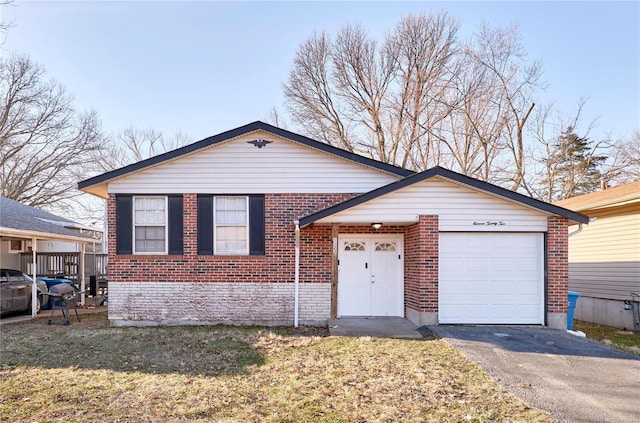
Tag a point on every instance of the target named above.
point(259, 143)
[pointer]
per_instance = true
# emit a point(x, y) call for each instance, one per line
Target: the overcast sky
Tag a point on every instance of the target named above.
point(206, 67)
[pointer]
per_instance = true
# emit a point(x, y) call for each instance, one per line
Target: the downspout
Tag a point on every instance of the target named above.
point(83, 252)
point(580, 227)
point(34, 288)
point(296, 280)
point(577, 231)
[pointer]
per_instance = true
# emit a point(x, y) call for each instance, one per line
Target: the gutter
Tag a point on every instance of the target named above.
point(296, 280)
point(27, 234)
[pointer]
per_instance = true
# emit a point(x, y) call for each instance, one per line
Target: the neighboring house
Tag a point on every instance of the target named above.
point(604, 258)
point(27, 233)
point(20, 225)
point(259, 225)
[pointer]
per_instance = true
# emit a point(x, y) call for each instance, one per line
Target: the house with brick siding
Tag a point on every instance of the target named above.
point(259, 225)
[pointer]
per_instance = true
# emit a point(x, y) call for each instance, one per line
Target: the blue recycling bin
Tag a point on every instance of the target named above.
point(51, 282)
point(573, 300)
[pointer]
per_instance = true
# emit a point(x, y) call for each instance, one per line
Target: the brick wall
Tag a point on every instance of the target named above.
point(421, 265)
point(275, 267)
point(259, 289)
point(557, 264)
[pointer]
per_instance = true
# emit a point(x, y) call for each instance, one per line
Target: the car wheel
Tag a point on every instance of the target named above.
point(38, 306)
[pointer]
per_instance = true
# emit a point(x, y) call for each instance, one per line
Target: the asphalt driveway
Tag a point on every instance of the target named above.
point(574, 379)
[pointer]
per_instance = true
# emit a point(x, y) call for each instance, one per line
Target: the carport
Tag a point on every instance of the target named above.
point(19, 222)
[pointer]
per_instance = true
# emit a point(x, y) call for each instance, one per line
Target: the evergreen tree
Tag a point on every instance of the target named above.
point(574, 166)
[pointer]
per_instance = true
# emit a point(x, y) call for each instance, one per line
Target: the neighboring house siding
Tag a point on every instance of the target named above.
point(7, 259)
point(59, 247)
point(459, 209)
point(237, 167)
point(612, 280)
point(613, 237)
point(604, 259)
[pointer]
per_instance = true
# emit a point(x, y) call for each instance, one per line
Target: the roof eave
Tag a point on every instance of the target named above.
point(104, 178)
point(27, 234)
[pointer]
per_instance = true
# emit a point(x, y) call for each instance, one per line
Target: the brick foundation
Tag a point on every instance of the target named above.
point(180, 303)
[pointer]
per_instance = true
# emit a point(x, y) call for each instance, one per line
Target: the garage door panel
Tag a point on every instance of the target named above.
point(528, 264)
point(475, 264)
point(504, 311)
point(527, 290)
point(489, 278)
point(528, 311)
point(476, 311)
point(502, 264)
point(476, 289)
point(451, 290)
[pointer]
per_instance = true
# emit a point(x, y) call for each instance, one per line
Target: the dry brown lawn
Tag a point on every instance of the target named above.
point(90, 371)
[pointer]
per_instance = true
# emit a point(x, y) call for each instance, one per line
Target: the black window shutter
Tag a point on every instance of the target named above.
point(124, 224)
point(205, 225)
point(256, 225)
point(175, 225)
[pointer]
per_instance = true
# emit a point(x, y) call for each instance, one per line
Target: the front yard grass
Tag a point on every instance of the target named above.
point(89, 371)
point(623, 340)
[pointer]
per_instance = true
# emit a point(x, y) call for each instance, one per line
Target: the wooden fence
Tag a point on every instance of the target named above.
point(66, 265)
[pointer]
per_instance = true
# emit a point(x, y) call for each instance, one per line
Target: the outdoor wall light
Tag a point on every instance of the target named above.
point(376, 225)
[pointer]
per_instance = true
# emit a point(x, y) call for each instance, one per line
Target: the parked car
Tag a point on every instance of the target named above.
point(15, 292)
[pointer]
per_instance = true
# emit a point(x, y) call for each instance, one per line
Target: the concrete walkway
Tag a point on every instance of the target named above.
point(378, 327)
point(572, 378)
point(47, 313)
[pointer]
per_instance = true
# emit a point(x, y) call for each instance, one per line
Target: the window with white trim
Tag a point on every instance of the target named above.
point(150, 225)
point(16, 246)
point(231, 225)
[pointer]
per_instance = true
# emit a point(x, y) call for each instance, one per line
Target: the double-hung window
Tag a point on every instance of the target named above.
point(231, 225)
point(150, 225)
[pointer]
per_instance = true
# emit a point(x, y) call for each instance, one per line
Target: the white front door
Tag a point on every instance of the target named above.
point(370, 275)
point(491, 278)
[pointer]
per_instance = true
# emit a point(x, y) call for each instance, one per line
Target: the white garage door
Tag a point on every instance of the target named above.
point(491, 278)
point(370, 275)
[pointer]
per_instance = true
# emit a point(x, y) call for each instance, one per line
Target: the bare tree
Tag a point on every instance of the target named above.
point(500, 51)
point(134, 144)
point(425, 50)
point(421, 97)
point(472, 134)
point(378, 99)
point(275, 118)
point(45, 144)
point(310, 95)
point(623, 166)
point(4, 25)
